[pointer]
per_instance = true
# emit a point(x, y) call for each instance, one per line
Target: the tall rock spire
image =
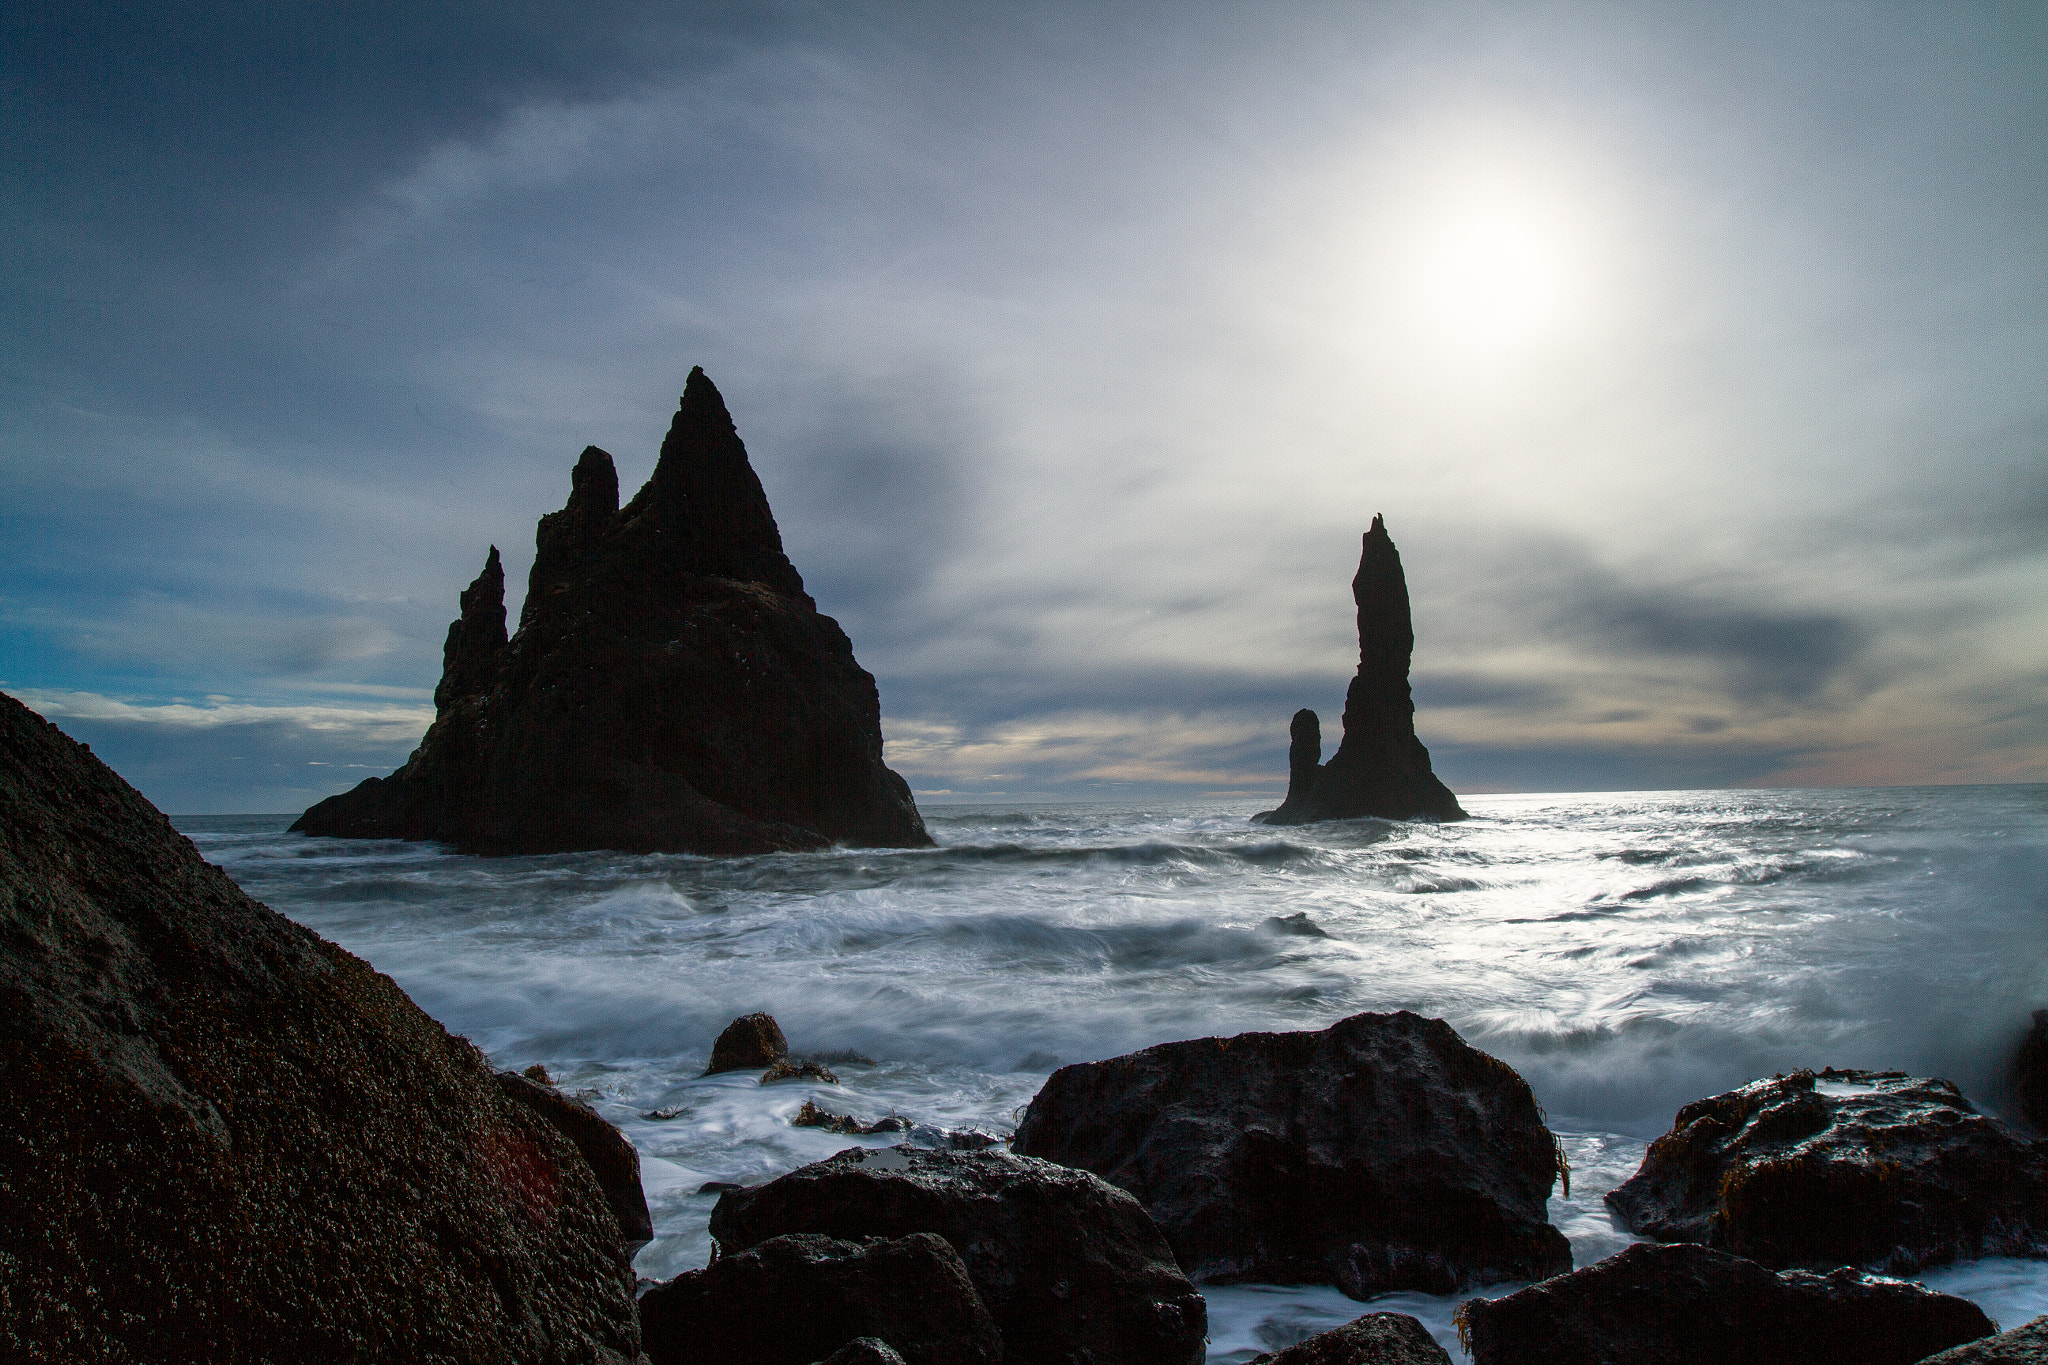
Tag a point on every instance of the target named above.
point(1380, 769)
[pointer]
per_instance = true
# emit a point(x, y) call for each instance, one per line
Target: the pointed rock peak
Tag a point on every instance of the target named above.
point(476, 640)
point(705, 492)
point(594, 484)
point(1379, 525)
point(487, 587)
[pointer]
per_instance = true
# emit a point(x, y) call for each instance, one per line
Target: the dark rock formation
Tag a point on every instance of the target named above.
point(787, 1069)
point(811, 1116)
point(671, 687)
point(749, 1043)
point(1382, 1153)
point(791, 1300)
point(612, 1159)
point(2030, 1074)
point(223, 1138)
point(1375, 1339)
point(863, 1351)
point(2025, 1345)
point(1380, 769)
point(1897, 1173)
point(1687, 1305)
point(1070, 1268)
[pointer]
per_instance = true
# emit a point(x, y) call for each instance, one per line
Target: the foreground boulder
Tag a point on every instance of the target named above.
point(1844, 1168)
point(611, 1158)
point(1069, 1267)
point(223, 1138)
point(2024, 1345)
point(793, 1300)
point(1380, 768)
point(1375, 1339)
point(671, 687)
point(1688, 1305)
point(1382, 1153)
point(751, 1042)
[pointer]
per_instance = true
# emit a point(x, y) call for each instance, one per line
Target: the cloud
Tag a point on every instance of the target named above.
point(391, 723)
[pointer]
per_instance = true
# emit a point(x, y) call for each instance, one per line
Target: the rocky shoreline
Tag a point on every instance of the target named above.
point(230, 1140)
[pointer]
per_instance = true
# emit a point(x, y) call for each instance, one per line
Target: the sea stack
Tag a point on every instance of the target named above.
point(671, 686)
point(1380, 769)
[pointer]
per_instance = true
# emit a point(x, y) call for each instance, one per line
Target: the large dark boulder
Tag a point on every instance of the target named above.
point(1071, 1268)
point(2023, 1345)
point(1380, 768)
point(1375, 1339)
point(671, 687)
point(611, 1158)
point(752, 1042)
point(792, 1300)
point(1844, 1168)
point(1382, 1153)
point(225, 1139)
point(1688, 1305)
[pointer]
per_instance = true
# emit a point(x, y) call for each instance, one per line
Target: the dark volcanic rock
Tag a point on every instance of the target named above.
point(1380, 769)
point(1687, 1305)
point(1375, 1339)
point(811, 1116)
point(863, 1351)
point(671, 687)
point(790, 1070)
point(223, 1138)
point(612, 1159)
point(1071, 1268)
point(2025, 1345)
point(749, 1043)
point(791, 1300)
point(1382, 1153)
point(2030, 1073)
point(1889, 1171)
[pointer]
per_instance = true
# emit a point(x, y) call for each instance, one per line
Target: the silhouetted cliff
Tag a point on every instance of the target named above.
point(671, 687)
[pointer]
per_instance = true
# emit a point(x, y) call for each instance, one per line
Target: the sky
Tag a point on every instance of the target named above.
point(1696, 355)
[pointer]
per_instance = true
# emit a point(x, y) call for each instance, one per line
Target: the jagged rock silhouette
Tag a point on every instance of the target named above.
point(671, 687)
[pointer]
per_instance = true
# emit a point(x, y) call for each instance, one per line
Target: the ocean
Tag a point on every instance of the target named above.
point(1626, 952)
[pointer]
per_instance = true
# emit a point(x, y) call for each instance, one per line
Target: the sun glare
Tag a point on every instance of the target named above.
point(1483, 260)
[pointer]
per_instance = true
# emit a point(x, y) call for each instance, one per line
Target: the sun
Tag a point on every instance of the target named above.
point(1493, 270)
point(1483, 262)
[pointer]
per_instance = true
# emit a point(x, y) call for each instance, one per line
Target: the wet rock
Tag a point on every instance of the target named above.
point(811, 1116)
point(750, 1041)
point(612, 1159)
point(1844, 1168)
point(1688, 1305)
point(539, 1073)
point(1382, 1153)
point(787, 1070)
point(1375, 1339)
point(2025, 1345)
point(1297, 925)
point(223, 1138)
point(863, 1351)
point(791, 1300)
point(1380, 768)
point(950, 1139)
point(670, 688)
point(2030, 1074)
point(1071, 1268)
point(719, 1186)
